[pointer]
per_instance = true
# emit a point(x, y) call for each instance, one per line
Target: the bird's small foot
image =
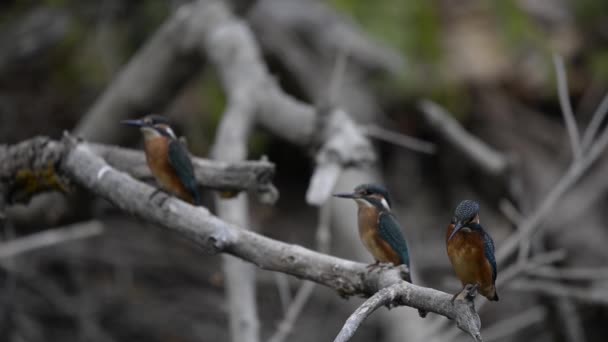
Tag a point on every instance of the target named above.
point(471, 291)
point(468, 292)
point(379, 265)
point(162, 201)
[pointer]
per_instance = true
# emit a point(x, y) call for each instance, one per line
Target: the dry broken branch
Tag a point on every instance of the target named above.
point(213, 235)
point(30, 167)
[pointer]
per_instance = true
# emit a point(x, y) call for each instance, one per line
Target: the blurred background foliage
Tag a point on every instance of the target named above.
point(449, 47)
point(472, 56)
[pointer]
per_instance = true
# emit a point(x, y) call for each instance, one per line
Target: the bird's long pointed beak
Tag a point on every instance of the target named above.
point(457, 227)
point(345, 195)
point(135, 123)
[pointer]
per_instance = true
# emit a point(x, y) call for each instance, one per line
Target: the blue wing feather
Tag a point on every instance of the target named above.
point(180, 160)
point(489, 252)
point(390, 231)
point(488, 246)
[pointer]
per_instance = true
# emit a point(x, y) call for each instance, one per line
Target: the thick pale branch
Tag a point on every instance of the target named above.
point(231, 145)
point(231, 46)
point(213, 235)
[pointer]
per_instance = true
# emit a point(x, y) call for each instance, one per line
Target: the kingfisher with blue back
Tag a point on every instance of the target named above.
point(471, 250)
point(379, 229)
point(168, 158)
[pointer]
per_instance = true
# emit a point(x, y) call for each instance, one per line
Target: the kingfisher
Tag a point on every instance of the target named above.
point(471, 250)
point(379, 229)
point(168, 158)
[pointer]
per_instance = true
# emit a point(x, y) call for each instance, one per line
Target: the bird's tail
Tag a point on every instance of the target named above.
point(196, 197)
point(408, 277)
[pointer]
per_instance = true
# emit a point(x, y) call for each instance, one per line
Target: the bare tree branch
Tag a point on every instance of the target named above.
point(491, 161)
point(213, 235)
point(293, 312)
point(573, 273)
point(597, 296)
point(399, 139)
point(596, 121)
point(307, 288)
point(231, 145)
point(572, 323)
point(533, 221)
point(28, 172)
point(51, 237)
point(564, 101)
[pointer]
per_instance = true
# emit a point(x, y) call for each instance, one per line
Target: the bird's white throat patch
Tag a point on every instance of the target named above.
point(149, 132)
point(385, 203)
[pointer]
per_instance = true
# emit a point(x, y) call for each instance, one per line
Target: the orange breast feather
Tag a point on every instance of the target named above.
point(368, 232)
point(466, 253)
point(157, 157)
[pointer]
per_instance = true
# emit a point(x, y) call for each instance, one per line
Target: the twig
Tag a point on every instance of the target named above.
point(293, 312)
point(596, 121)
point(307, 288)
point(577, 273)
point(399, 139)
point(589, 295)
point(564, 101)
point(49, 238)
point(532, 222)
point(337, 77)
point(571, 320)
point(282, 283)
point(383, 297)
point(491, 161)
point(510, 211)
point(513, 325)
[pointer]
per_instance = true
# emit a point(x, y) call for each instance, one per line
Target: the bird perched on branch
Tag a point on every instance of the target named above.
point(379, 229)
point(471, 250)
point(167, 158)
